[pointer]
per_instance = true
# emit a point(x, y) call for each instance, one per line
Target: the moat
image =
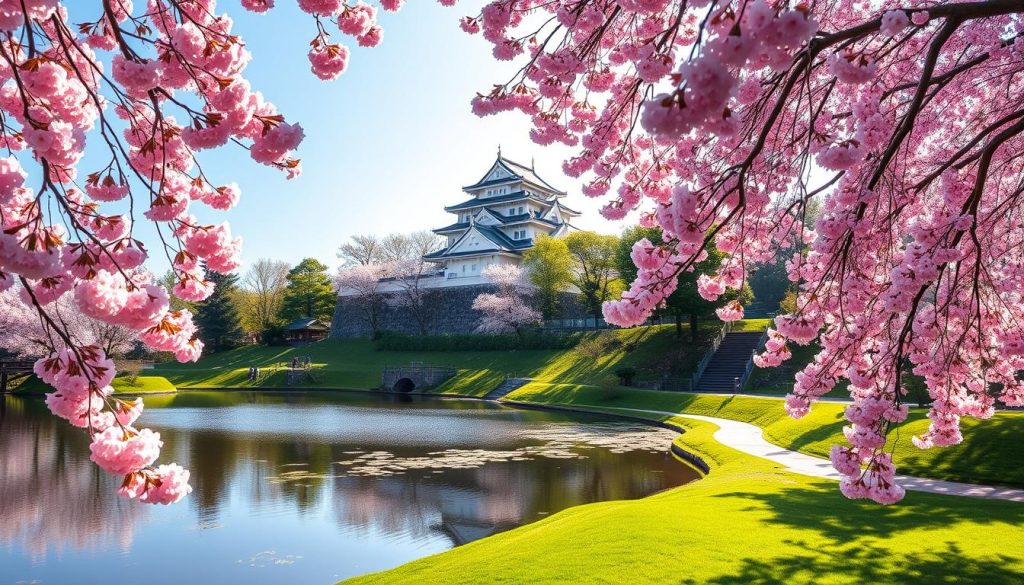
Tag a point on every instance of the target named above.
point(307, 488)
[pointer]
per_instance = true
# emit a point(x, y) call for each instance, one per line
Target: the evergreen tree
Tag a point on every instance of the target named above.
point(217, 317)
point(685, 301)
point(308, 293)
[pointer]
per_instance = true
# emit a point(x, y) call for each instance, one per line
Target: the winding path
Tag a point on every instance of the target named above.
point(750, 439)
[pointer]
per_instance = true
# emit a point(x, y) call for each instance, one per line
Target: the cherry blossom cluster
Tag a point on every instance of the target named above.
point(722, 121)
point(81, 377)
point(327, 59)
point(507, 310)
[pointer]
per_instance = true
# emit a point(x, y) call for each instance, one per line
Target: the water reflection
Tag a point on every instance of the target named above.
point(311, 488)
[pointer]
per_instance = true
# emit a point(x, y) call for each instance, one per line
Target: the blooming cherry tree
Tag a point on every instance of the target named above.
point(507, 310)
point(362, 284)
point(147, 85)
point(23, 333)
point(720, 120)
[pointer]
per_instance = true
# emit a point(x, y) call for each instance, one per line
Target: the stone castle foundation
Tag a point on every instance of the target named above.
point(450, 309)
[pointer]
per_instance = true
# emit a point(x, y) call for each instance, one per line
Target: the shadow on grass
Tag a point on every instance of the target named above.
point(865, 563)
point(841, 520)
point(991, 453)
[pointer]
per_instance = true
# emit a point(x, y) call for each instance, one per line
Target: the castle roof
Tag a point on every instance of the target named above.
point(493, 241)
point(504, 219)
point(513, 172)
point(498, 199)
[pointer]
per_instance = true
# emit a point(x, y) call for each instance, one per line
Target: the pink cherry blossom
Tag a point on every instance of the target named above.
point(327, 62)
point(125, 450)
point(893, 22)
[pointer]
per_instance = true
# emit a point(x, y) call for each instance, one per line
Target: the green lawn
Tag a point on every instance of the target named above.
point(354, 363)
point(142, 385)
point(747, 523)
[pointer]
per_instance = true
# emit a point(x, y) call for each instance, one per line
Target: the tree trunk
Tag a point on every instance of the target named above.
point(679, 325)
point(693, 327)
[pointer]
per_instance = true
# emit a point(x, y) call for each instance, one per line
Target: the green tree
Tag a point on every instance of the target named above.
point(217, 316)
point(168, 280)
point(308, 292)
point(550, 266)
point(595, 268)
point(685, 301)
point(770, 282)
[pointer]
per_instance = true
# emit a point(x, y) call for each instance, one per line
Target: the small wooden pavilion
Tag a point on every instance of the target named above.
point(306, 330)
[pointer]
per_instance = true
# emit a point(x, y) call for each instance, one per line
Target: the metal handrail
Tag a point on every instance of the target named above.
point(750, 362)
point(703, 363)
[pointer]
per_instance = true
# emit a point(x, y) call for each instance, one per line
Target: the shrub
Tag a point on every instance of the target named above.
point(598, 345)
point(390, 341)
point(273, 335)
point(609, 388)
point(129, 370)
point(626, 375)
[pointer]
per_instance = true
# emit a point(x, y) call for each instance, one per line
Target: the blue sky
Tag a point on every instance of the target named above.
point(388, 144)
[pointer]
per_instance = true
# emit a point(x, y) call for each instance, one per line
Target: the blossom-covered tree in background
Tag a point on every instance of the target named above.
point(507, 310)
point(722, 120)
point(362, 285)
point(144, 86)
point(25, 334)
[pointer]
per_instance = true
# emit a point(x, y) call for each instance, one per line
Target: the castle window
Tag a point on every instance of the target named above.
point(520, 209)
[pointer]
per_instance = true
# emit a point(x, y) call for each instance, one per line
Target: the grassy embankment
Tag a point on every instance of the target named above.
point(654, 352)
point(122, 385)
point(990, 453)
point(746, 523)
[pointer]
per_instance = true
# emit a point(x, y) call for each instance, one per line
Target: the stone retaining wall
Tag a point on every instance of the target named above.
point(451, 311)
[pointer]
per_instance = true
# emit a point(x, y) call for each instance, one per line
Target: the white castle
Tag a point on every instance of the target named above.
point(508, 208)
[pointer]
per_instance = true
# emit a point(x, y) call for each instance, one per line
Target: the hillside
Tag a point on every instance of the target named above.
point(654, 352)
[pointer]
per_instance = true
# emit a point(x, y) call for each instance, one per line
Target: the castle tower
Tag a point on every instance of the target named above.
point(508, 208)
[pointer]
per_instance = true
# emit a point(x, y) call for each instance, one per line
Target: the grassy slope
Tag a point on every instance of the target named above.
point(143, 385)
point(356, 364)
point(746, 523)
point(990, 453)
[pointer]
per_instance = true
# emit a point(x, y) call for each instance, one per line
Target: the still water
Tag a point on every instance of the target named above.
point(305, 488)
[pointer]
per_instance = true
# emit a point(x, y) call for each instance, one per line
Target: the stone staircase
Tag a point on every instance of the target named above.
point(729, 362)
point(505, 387)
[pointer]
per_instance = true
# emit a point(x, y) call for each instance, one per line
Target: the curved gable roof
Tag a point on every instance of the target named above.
point(516, 172)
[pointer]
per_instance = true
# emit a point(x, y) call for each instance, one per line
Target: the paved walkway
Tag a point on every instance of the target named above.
point(749, 439)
